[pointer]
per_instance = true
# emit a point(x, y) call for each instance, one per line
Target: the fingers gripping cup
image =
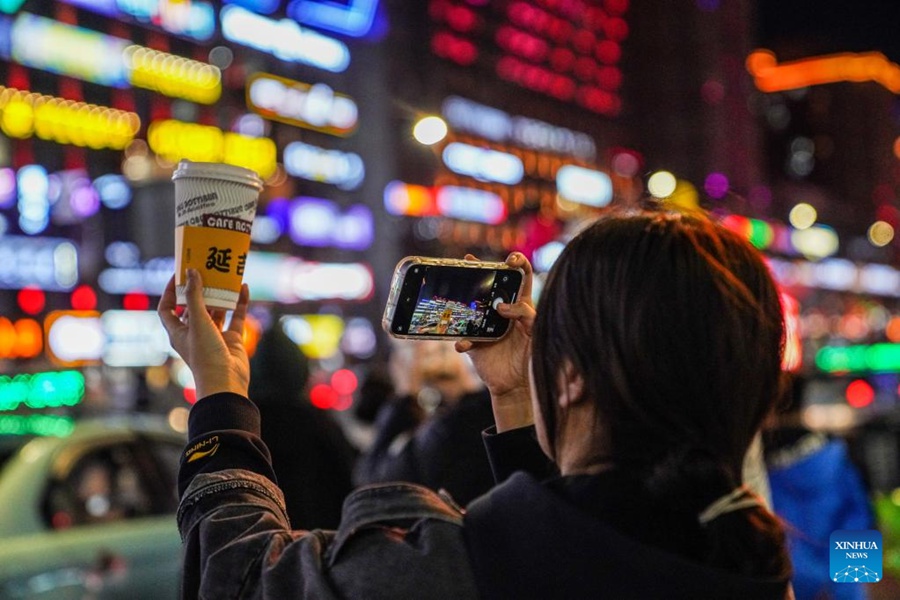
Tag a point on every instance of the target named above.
point(214, 209)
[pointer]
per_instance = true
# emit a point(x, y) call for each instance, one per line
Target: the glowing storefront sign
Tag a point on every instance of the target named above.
point(52, 46)
point(584, 186)
point(23, 338)
point(321, 223)
point(172, 75)
point(316, 106)
point(498, 126)
point(23, 114)
point(353, 18)
point(284, 39)
point(149, 278)
point(74, 338)
point(770, 76)
point(470, 204)
point(174, 140)
point(342, 169)
point(50, 264)
point(46, 44)
point(483, 164)
point(46, 425)
point(283, 278)
point(51, 389)
point(134, 338)
point(455, 202)
point(193, 19)
point(263, 7)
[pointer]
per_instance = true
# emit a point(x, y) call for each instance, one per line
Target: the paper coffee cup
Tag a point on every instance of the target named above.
point(215, 205)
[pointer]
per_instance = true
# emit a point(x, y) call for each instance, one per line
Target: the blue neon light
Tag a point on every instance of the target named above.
point(263, 7)
point(351, 17)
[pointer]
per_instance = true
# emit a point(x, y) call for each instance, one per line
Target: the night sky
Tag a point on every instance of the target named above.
point(831, 26)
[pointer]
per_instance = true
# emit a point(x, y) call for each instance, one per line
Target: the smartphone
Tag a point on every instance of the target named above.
point(447, 299)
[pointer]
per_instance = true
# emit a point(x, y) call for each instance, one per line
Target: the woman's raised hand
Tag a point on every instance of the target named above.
point(216, 358)
point(503, 365)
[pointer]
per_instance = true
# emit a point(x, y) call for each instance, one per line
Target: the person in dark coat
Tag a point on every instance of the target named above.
point(312, 458)
point(430, 432)
point(649, 367)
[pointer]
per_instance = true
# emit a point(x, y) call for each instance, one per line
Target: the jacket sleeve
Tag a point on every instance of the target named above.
point(516, 450)
point(231, 515)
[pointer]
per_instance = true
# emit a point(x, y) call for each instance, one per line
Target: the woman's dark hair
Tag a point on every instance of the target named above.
point(675, 325)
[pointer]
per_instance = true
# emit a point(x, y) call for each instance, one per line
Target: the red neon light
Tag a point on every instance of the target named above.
point(344, 382)
point(84, 298)
point(859, 394)
point(31, 300)
point(323, 396)
point(136, 301)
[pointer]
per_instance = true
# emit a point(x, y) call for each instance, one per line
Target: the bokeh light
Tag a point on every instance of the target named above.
point(859, 393)
point(716, 185)
point(881, 233)
point(803, 216)
point(661, 184)
point(430, 130)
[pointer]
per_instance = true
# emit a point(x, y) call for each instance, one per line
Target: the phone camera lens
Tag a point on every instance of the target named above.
point(506, 278)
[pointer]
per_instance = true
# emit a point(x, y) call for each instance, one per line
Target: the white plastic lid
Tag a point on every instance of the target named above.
point(220, 171)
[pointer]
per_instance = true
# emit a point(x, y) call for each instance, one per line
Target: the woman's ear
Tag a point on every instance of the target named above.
point(571, 386)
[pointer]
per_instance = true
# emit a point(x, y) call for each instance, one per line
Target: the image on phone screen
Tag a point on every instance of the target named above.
point(456, 301)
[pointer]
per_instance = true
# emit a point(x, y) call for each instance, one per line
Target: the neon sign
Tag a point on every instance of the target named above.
point(51, 389)
point(65, 121)
point(46, 425)
point(351, 17)
point(342, 169)
point(315, 107)
point(56, 47)
point(172, 75)
point(318, 222)
point(470, 204)
point(283, 278)
point(455, 202)
point(50, 264)
point(23, 338)
point(149, 278)
point(483, 164)
point(74, 337)
point(193, 19)
point(46, 44)
point(284, 39)
point(499, 126)
point(769, 76)
point(584, 186)
point(174, 140)
point(134, 338)
point(264, 7)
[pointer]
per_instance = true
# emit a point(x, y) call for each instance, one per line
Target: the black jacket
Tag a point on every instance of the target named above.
point(524, 539)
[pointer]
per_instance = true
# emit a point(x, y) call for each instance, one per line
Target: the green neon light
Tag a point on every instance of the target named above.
point(859, 359)
point(45, 425)
point(761, 234)
point(53, 389)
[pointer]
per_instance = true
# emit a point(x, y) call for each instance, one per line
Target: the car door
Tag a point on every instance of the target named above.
point(110, 528)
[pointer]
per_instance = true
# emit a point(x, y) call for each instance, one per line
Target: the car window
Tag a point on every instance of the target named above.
point(105, 484)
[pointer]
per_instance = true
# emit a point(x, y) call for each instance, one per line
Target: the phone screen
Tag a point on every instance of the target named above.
point(454, 301)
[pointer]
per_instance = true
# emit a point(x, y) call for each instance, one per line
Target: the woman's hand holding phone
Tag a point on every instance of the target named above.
point(504, 365)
